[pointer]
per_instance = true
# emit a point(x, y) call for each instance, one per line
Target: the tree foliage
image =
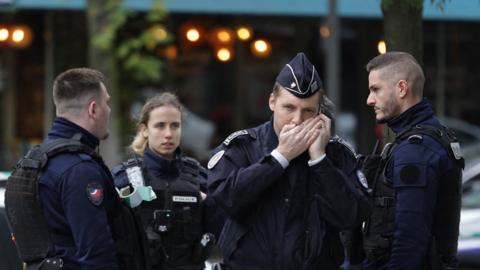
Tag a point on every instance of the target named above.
point(414, 4)
point(135, 53)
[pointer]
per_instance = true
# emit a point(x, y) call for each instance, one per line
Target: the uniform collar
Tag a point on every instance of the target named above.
point(417, 114)
point(161, 166)
point(63, 128)
point(267, 131)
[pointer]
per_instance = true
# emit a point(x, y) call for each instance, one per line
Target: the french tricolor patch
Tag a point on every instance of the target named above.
point(95, 193)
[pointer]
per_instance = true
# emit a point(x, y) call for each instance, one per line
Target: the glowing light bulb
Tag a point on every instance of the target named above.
point(382, 47)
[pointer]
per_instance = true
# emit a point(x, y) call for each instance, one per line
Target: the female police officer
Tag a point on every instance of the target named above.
point(173, 221)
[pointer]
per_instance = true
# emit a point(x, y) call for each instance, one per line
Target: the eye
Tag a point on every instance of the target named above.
point(160, 125)
point(289, 107)
point(175, 125)
point(310, 111)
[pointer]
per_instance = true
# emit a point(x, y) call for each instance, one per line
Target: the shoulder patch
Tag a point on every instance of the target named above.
point(214, 159)
point(409, 174)
point(234, 135)
point(95, 193)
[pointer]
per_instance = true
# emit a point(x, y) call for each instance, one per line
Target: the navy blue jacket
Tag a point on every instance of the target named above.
point(159, 167)
point(281, 218)
point(414, 170)
point(76, 202)
point(169, 170)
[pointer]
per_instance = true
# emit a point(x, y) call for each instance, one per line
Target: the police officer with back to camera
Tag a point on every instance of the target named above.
point(60, 200)
point(416, 181)
point(283, 194)
point(174, 218)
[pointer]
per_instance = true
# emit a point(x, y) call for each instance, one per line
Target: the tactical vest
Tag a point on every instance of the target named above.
point(174, 220)
point(379, 228)
point(33, 238)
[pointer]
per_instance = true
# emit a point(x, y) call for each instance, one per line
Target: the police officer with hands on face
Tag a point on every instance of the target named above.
point(416, 183)
point(284, 197)
point(173, 217)
point(60, 200)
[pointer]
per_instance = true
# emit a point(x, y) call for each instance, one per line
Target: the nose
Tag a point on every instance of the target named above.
point(297, 118)
point(168, 132)
point(370, 99)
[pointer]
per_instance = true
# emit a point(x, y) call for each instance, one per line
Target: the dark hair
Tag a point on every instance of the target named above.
point(166, 99)
point(398, 66)
point(72, 88)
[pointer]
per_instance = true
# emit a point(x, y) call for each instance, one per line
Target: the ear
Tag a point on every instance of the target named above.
point(92, 109)
point(144, 130)
point(271, 101)
point(402, 87)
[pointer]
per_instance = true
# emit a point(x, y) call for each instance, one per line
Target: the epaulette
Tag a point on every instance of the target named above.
point(338, 139)
point(235, 135)
point(133, 162)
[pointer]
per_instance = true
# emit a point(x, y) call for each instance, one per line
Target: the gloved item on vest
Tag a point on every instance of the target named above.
point(139, 194)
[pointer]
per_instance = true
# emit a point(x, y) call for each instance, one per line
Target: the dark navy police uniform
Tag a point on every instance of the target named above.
point(282, 218)
point(77, 196)
point(414, 170)
point(174, 248)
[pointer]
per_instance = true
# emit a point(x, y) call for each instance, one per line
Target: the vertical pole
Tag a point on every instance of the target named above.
point(49, 67)
point(333, 56)
point(441, 69)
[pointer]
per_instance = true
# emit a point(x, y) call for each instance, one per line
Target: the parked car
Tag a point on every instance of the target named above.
point(469, 240)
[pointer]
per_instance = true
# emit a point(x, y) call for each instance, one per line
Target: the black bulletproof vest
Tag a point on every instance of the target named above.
point(174, 220)
point(33, 238)
point(378, 229)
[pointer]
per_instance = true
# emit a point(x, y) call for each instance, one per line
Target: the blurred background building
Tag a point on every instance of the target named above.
point(221, 57)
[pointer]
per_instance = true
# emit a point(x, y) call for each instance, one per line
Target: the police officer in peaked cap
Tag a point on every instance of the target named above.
point(284, 194)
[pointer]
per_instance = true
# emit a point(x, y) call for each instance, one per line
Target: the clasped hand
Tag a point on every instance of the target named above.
point(313, 134)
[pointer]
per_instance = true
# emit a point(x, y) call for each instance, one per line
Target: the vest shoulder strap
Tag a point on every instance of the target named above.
point(444, 136)
point(134, 161)
point(192, 167)
point(41, 153)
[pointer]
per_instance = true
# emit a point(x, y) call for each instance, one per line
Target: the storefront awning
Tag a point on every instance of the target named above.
point(453, 10)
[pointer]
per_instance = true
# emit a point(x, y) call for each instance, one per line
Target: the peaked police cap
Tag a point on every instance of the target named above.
point(300, 77)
